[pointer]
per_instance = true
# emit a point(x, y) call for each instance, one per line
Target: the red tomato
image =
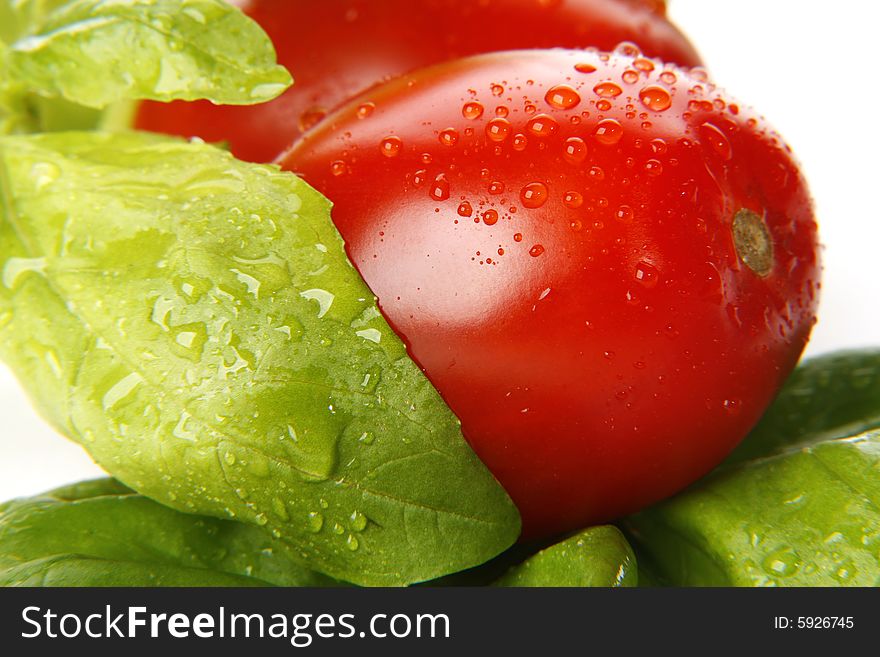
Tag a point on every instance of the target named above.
point(338, 48)
point(605, 265)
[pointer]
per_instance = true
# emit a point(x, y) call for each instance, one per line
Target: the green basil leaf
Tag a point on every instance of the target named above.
point(597, 557)
point(101, 534)
point(19, 18)
point(194, 323)
point(21, 111)
point(15, 114)
point(97, 52)
point(810, 517)
point(829, 396)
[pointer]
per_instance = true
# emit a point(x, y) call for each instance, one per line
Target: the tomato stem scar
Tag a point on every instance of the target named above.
point(754, 244)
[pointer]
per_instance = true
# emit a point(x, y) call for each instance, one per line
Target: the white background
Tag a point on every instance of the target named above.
point(809, 66)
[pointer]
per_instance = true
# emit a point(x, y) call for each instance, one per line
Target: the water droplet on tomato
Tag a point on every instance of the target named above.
point(732, 406)
point(472, 110)
point(338, 167)
point(607, 90)
point(659, 146)
point(534, 195)
point(643, 64)
point(608, 132)
point(520, 141)
point(596, 173)
point(627, 49)
point(440, 188)
point(420, 176)
point(498, 129)
point(647, 274)
point(584, 68)
point(517, 237)
point(536, 250)
point(716, 140)
point(699, 73)
point(562, 97)
point(655, 98)
point(390, 146)
point(574, 150)
point(573, 199)
point(630, 76)
point(496, 187)
point(625, 214)
point(668, 77)
point(311, 117)
point(502, 111)
point(465, 209)
point(490, 217)
point(496, 89)
point(542, 125)
point(653, 167)
point(449, 137)
point(365, 109)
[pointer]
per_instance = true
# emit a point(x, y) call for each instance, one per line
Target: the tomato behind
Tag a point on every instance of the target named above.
point(337, 48)
point(605, 265)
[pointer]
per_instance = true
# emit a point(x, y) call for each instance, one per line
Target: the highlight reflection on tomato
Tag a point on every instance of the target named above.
point(605, 265)
point(338, 48)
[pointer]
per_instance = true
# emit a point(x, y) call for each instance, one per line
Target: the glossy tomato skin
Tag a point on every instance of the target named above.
point(338, 48)
point(561, 237)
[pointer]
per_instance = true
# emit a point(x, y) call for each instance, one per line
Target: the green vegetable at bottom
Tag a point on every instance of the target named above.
point(809, 517)
point(598, 556)
point(100, 533)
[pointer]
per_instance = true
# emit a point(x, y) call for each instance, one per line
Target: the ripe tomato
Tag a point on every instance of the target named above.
point(605, 265)
point(338, 48)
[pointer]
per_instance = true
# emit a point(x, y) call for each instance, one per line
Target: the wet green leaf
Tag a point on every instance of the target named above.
point(809, 517)
point(595, 557)
point(194, 323)
point(19, 18)
point(94, 52)
point(101, 534)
